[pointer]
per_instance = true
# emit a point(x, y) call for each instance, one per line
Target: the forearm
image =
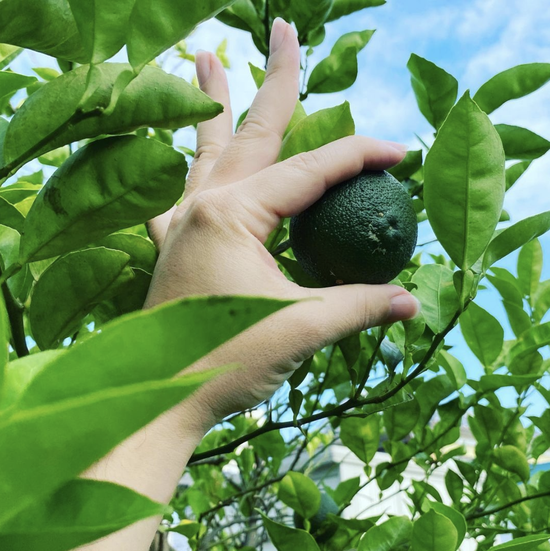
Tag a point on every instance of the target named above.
point(150, 462)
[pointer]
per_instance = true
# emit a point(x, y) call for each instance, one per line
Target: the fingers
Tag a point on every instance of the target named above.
point(158, 227)
point(288, 188)
point(349, 309)
point(213, 135)
point(258, 141)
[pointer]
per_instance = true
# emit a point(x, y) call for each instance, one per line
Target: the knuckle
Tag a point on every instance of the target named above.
point(256, 126)
point(308, 163)
point(206, 208)
point(207, 152)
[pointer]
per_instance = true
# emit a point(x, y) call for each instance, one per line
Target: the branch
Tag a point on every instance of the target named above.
point(336, 411)
point(507, 505)
point(15, 315)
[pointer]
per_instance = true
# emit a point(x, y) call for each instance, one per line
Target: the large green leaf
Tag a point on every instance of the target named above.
point(11, 82)
point(530, 268)
point(153, 339)
point(140, 105)
point(434, 532)
point(482, 332)
point(511, 84)
point(454, 516)
point(285, 538)
point(339, 70)
point(10, 216)
point(526, 543)
point(515, 236)
point(318, 129)
point(21, 372)
point(465, 183)
point(15, 193)
point(142, 251)
point(361, 436)
point(300, 493)
point(434, 88)
point(47, 26)
point(387, 536)
point(520, 143)
point(494, 381)
point(435, 290)
point(102, 25)
point(122, 381)
point(408, 166)
point(70, 288)
point(79, 512)
point(155, 25)
point(3, 129)
point(340, 8)
point(43, 447)
point(106, 186)
point(533, 339)
point(243, 15)
point(400, 420)
point(541, 300)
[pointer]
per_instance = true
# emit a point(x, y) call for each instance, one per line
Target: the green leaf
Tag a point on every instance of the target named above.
point(55, 103)
point(11, 82)
point(514, 172)
point(338, 71)
point(9, 251)
point(102, 25)
point(454, 485)
point(494, 381)
point(243, 15)
point(74, 433)
point(434, 88)
point(515, 236)
point(486, 425)
point(155, 25)
point(541, 301)
point(308, 16)
point(346, 490)
point(118, 387)
point(482, 333)
point(361, 436)
point(434, 532)
point(408, 166)
point(3, 129)
point(300, 493)
point(152, 338)
point(297, 273)
point(513, 83)
point(530, 341)
point(513, 460)
point(435, 290)
point(520, 143)
point(429, 395)
point(8, 53)
point(453, 368)
point(79, 512)
point(318, 129)
point(56, 157)
point(21, 372)
point(107, 185)
point(400, 420)
point(47, 26)
point(10, 215)
point(285, 538)
point(454, 516)
point(340, 8)
point(142, 251)
point(526, 543)
point(464, 183)
point(530, 268)
point(387, 536)
point(70, 288)
point(257, 74)
point(15, 193)
point(5, 332)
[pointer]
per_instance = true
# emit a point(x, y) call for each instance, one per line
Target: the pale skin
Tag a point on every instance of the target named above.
point(212, 244)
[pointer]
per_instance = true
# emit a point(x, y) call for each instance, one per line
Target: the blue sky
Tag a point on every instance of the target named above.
point(471, 39)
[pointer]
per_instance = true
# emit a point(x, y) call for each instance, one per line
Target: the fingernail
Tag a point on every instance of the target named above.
point(404, 307)
point(398, 146)
point(202, 66)
point(278, 34)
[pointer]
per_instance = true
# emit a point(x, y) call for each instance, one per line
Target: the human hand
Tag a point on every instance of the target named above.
point(212, 244)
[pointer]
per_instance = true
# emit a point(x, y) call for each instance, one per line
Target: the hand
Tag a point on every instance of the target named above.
point(212, 244)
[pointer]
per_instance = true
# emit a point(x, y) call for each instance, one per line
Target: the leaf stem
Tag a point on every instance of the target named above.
point(15, 315)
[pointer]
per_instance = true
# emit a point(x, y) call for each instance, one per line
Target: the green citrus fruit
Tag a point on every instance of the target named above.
point(363, 230)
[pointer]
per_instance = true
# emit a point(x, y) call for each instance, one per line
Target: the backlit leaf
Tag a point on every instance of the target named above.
point(300, 493)
point(361, 436)
point(520, 143)
point(434, 532)
point(389, 535)
point(285, 538)
point(465, 183)
point(340, 8)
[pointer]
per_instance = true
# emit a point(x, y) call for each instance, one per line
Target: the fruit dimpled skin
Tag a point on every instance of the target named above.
point(363, 230)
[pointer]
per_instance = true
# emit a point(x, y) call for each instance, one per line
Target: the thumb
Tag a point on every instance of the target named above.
point(352, 308)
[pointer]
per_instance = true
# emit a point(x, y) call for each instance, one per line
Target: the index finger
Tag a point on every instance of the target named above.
point(288, 188)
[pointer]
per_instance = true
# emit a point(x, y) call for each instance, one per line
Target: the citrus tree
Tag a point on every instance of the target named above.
point(82, 368)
